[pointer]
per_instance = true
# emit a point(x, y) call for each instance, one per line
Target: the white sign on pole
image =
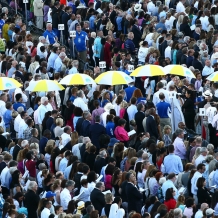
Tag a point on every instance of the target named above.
point(202, 111)
point(60, 26)
point(25, 1)
point(73, 33)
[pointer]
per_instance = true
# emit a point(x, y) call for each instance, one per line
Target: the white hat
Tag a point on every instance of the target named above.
point(137, 7)
point(209, 212)
point(80, 205)
point(81, 6)
point(207, 94)
point(108, 107)
point(215, 55)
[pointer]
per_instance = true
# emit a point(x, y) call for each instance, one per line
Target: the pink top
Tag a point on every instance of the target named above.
point(122, 112)
point(121, 134)
point(108, 179)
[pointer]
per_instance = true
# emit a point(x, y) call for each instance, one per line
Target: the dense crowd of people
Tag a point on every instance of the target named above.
point(140, 150)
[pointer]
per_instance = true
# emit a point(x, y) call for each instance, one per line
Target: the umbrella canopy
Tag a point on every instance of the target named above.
point(148, 70)
point(179, 70)
point(113, 78)
point(213, 77)
point(77, 79)
point(44, 86)
point(8, 83)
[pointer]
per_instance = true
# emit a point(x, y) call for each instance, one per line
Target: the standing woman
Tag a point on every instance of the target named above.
point(202, 192)
point(188, 110)
point(170, 202)
point(116, 181)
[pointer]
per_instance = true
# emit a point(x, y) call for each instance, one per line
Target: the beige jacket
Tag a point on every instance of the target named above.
point(38, 8)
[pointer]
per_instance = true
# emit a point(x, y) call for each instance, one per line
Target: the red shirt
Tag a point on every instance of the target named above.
point(107, 53)
point(31, 166)
point(171, 204)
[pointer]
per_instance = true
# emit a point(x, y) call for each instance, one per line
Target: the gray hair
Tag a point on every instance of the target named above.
point(169, 42)
point(62, 54)
point(86, 140)
point(4, 9)
point(93, 34)
point(20, 109)
point(69, 183)
point(203, 149)
point(31, 185)
point(99, 184)
point(177, 213)
point(41, 38)
point(43, 100)
point(179, 132)
point(42, 166)
point(102, 153)
point(48, 24)
point(24, 143)
point(86, 114)
point(75, 63)
point(80, 94)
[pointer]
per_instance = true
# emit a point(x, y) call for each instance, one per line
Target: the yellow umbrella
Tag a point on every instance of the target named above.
point(113, 78)
point(44, 86)
point(8, 83)
point(179, 70)
point(148, 70)
point(213, 77)
point(77, 79)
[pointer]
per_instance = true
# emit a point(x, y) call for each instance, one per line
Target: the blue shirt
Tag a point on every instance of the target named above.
point(97, 47)
point(169, 184)
point(72, 98)
point(129, 45)
point(92, 22)
point(119, 21)
point(58, 64)
point(42, 143)
point(173, 164)
point(129, 91)
point(17, 105)
point(50, 35)
point(7, 118)
point(2, 22)
point(215, 178)
point(51, 60)
point(67, 171)
point(80, 41)
point(11, 71)
point(110, 126)
point(160, 26)
point(162, 109)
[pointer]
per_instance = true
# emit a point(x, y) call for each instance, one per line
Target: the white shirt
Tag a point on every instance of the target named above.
point(194, 182)
point(79, 102)
point(148, 38)
point(65, 198)
point(24, 97)
point(196, 4)
point(199, 214)
point(42, 109)
point(39, 179)
point(200, 159)
point(76, 151)
point(86, 194)
point(170, 83)
point(3, 176)
point(2, 108)
point(204, 22)
point(167, 52)
point(156, 98)
point(180, 7)
point(132, 110)
point(91, 186)
point(45, 213)
point(210, 113)
point(22, 127)
point(207, 70)
point(17, 122)
point(63, 164)
point(151, 8)
point(65, 138)
point(142, 53)
point(38, 47)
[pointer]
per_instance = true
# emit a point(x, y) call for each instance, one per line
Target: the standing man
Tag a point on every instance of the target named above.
point(41, 112)
point(97, 47)
point(38, 12)
point(139, 116)
point(64, 19)
point(58, 62)
point(151, 125)
point(81, 44)
point(107, 52)
point(56, 18)
point(163, 108)
point(49, 34)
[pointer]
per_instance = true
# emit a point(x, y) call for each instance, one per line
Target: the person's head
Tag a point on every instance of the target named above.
point(204, 151)
point(70, 185)
point(122, 122)
point(130, 177)
point(33, 186)
point(178, 213)
point(179, 133)
point(201, 168)
point(100, 186)
point(25, 144)
point(18, 97)
point(44, 101)
point(47, 134)
point(189, 202)
point(58, 210)
point(108, 198)
point(201, 182)
point(172, 177)
point(68, 130)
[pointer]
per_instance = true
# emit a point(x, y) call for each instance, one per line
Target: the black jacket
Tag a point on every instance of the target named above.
point(137, 35)
point(31, 203)
point(203, 196)
point(185, 28)
point(183, 59)
point(151, 126)
point(197, 64)
point(134, 198)
point(139, 116)
point(97, 199)
point(99, 164)
point(55, 17)
point(95, 131)
point(16, 150)
point(65, 17)
point(79, 125)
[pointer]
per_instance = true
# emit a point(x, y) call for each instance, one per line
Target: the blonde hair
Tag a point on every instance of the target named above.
point(166, 127)
point(123, 104)
point(49, 146)
point(34, 146)
point(160, 144)
point(59, 121)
